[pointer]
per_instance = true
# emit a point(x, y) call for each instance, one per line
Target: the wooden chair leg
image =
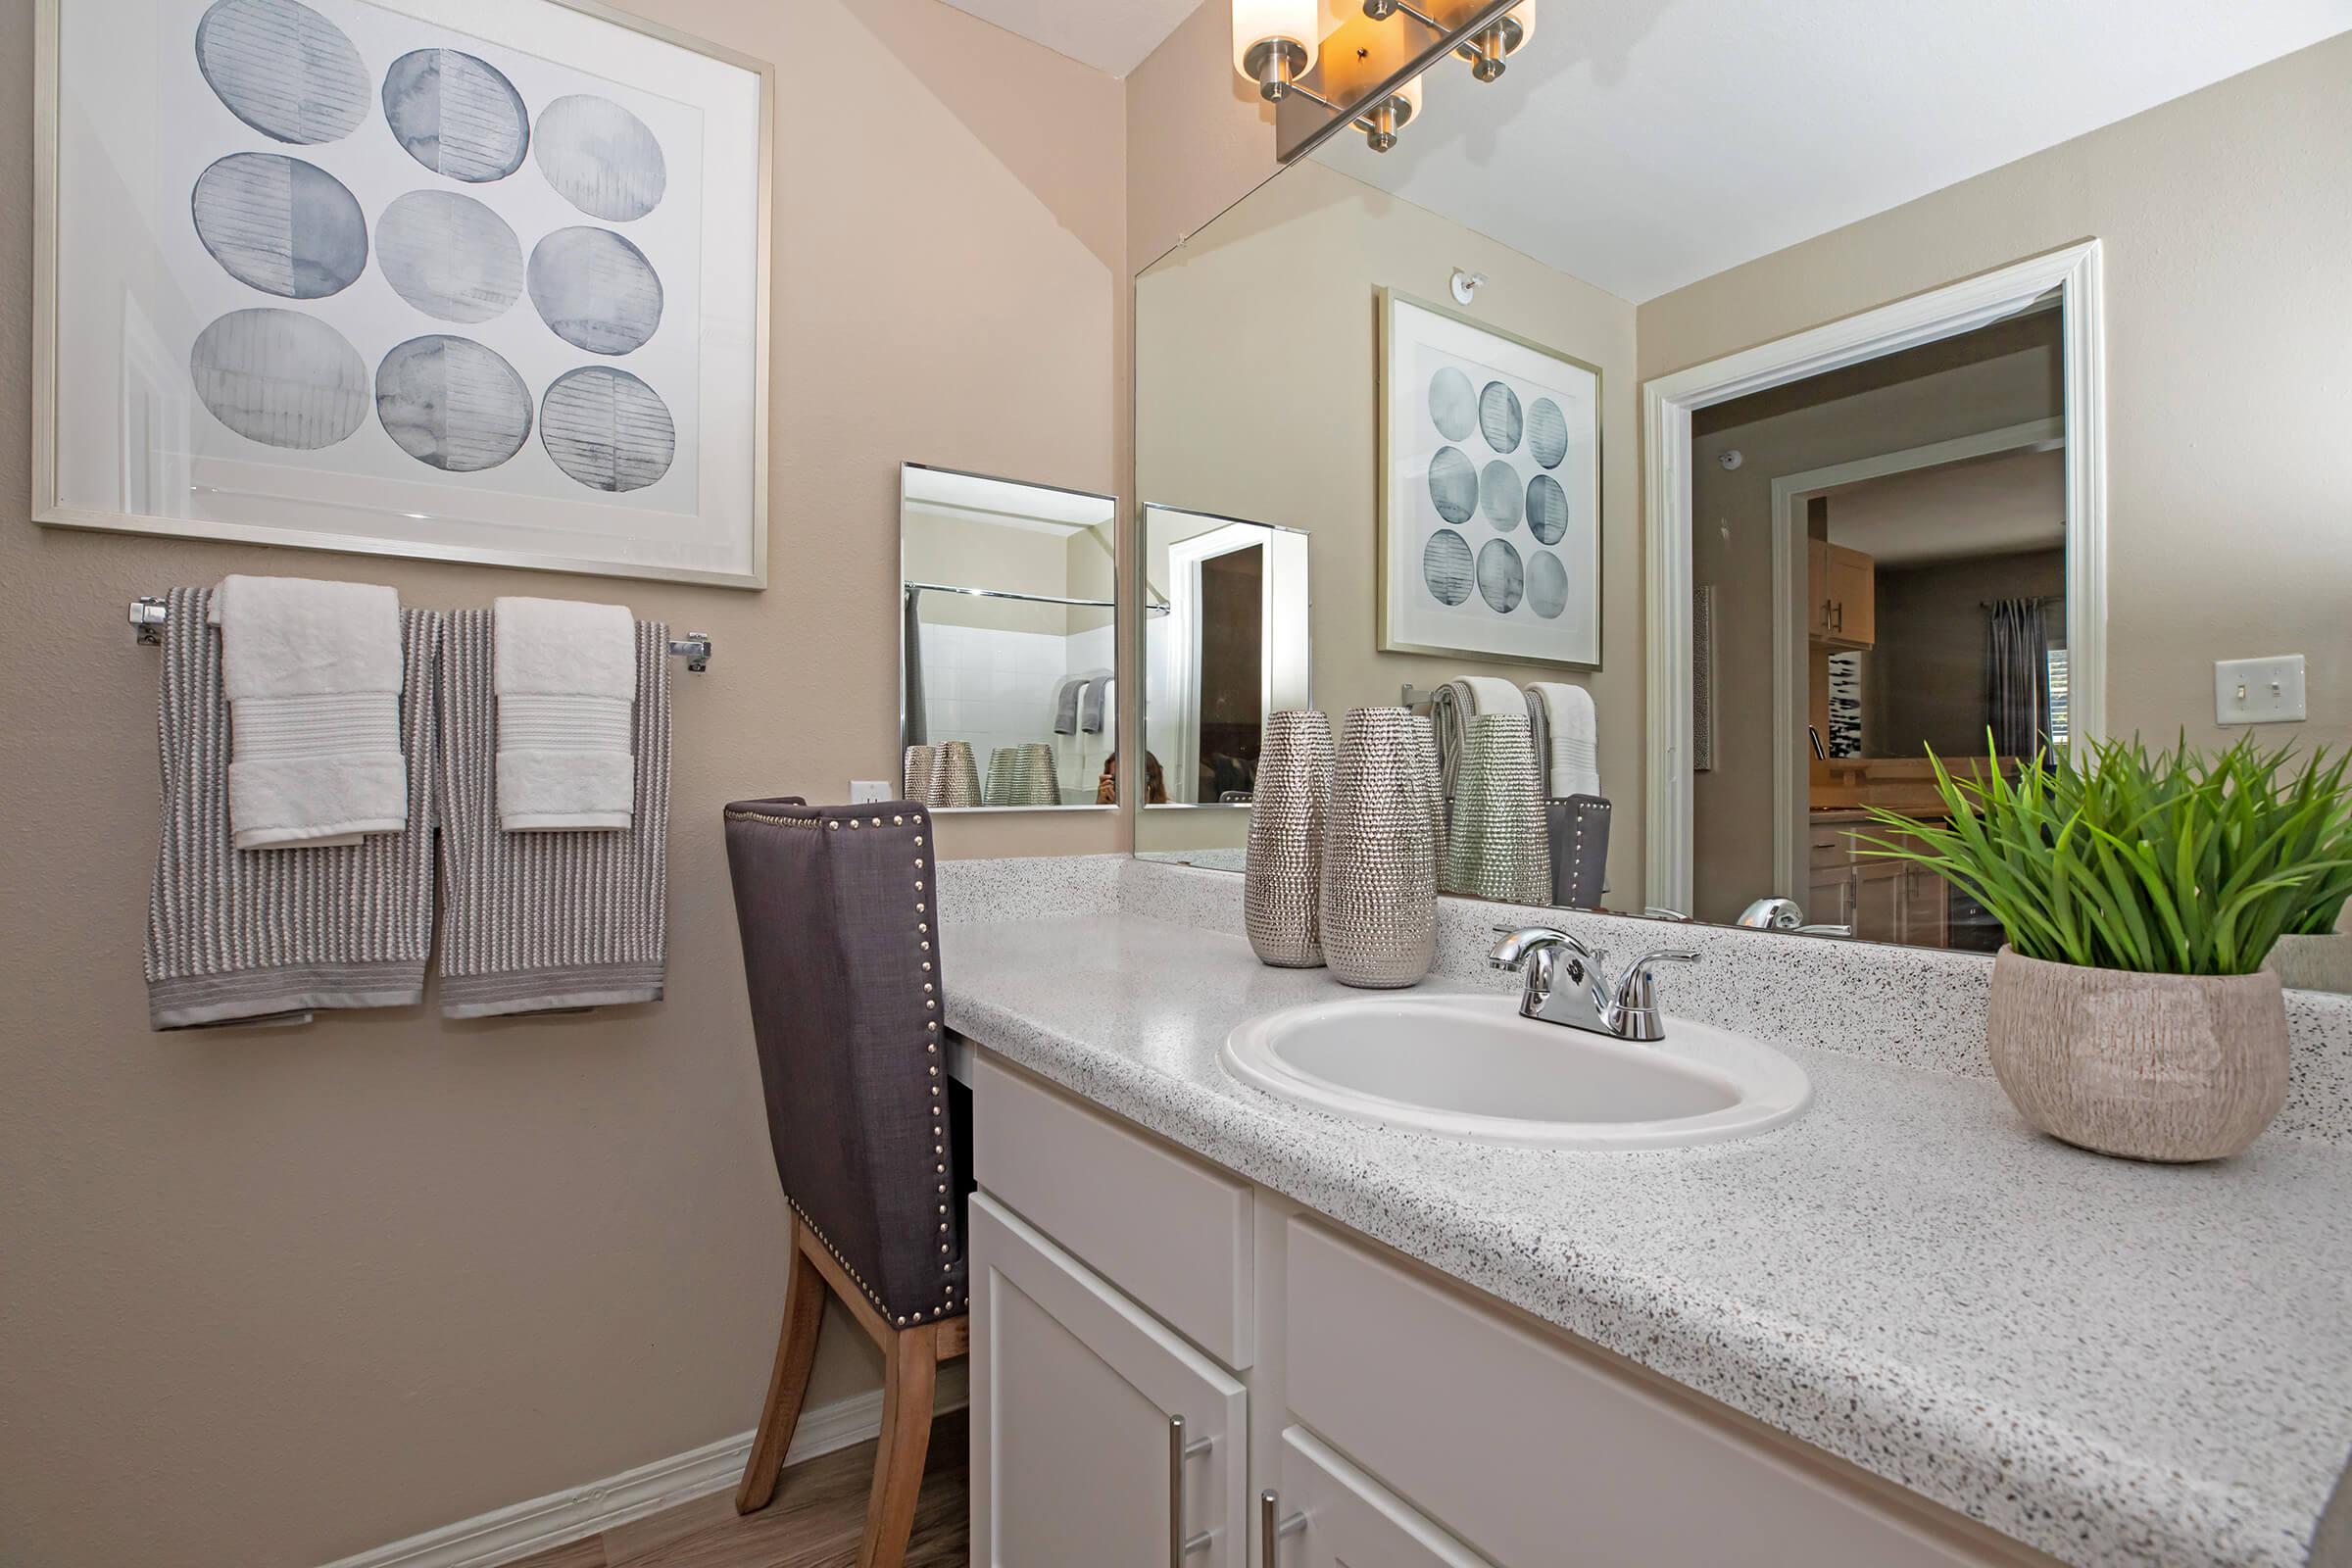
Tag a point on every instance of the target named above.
point(911, 1379)
point(795, 1353)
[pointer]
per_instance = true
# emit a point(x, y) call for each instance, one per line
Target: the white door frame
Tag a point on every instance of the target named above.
point(1667, 403)
point(1791, 774)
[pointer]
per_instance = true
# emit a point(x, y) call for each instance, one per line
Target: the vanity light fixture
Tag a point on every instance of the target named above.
point(1275, 43)
point(1359, 71)
point(1487, 49)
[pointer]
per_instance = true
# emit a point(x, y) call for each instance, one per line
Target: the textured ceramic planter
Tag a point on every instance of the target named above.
point(1281, 886)
point(2147, 1067)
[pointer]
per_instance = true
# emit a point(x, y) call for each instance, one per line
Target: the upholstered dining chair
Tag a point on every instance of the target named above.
point(841, 954)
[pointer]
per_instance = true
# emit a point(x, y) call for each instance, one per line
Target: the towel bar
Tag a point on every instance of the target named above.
point(148, 614)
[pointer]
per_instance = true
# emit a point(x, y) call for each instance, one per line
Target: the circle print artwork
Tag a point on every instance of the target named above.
point(280, 225)
point(456, 115)
point(1546, 509)
point(1453, 485)
point(279, 377)
point(1498, 494)
point(595, 290)
point(1546, 585)
point(449, 256)
point(1446, 567)
point(1498, 416)
point(451, 402)
point(599, 158)
point(1452, 404)
point(607, 429)
point(1502, 579)
point(1547, 432)
point(282, 68)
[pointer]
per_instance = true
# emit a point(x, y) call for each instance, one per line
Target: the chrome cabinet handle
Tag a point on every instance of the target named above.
point(1272, 1527)
point(1180, 1544)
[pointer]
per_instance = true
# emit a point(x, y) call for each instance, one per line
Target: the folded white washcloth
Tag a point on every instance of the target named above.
point(1573, 731)
point(313, 675)
point(567, 679)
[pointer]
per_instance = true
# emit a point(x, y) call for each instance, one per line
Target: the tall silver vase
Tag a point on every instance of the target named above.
point(1380, 885)
point(1281, 888)
point(1425, 736)
point(957, 783)
point(1500, 844)
point(916, 780)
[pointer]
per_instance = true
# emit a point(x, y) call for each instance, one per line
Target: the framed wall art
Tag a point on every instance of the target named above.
point(1490, 492)
point(479, 280)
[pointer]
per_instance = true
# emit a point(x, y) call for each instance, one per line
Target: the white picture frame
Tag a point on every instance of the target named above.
point(244, 329)
point(1482, 434)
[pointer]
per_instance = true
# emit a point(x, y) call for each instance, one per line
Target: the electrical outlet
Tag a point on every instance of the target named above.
point(2258, 690)
point(862, 790)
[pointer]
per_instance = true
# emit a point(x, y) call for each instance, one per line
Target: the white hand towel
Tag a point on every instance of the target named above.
point(566, 680)
point(1574, 733)
point(311, 671)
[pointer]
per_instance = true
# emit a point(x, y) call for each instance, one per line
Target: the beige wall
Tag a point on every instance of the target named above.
point(1255, 356)
point(273, 1297)
point(2225, 218)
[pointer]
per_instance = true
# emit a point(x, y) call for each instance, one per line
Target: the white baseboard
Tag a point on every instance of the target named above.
point(523, 1528)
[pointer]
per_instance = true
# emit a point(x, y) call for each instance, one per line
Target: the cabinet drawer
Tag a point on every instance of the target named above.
point(1516, 1441)
point(1098, 1435)
point(1336, 1516)
point(1170, 1230)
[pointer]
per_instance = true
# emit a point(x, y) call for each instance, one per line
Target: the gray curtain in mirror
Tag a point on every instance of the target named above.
point(914, 659)
point(2017, 676)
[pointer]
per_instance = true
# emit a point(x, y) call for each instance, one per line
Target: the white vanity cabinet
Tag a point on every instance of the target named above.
point(1400, 1419)
point(1099, 1435)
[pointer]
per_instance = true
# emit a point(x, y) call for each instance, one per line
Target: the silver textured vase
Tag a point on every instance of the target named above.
point(957, 783)
point(1433, 783)
point(1035, 780)
point(1500, 845)
point(1282, 884)
point(1379, 884)
point(915, 777)
point(997, 790)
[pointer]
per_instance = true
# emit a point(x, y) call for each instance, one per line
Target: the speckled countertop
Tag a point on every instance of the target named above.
point(2116, 1363)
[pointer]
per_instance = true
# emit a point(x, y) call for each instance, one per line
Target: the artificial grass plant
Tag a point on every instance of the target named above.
point(2170, 864)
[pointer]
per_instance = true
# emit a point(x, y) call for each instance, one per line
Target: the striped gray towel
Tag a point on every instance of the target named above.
point(248, 935)
point(544, 921)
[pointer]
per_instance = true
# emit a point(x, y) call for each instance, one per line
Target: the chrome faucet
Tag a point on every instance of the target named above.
point(1564, 983)
point(1787, 914)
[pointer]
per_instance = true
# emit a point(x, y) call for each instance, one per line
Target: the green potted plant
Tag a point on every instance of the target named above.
point(2131, 1012)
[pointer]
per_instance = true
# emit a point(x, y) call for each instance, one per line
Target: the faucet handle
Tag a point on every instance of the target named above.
point(1634, 989)
point(1519, 941)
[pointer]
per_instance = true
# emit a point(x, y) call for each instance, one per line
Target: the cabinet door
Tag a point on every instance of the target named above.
point(1878, 890)
point(1853, 597)
point(1329, 1514)
point(1924, 909)
point(1077, 1456)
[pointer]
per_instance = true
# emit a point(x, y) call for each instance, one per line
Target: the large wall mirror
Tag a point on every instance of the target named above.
point(1746, 508)
point(1007, 699)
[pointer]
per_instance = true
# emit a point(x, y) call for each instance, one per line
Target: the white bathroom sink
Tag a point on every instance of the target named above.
point(1471, 1067)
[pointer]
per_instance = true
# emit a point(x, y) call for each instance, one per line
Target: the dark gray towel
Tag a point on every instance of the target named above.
point(1094, 706)
point(247, 936)
point(1065, 705)
point(540, 922)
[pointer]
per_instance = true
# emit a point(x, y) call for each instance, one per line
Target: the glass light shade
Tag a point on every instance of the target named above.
point(1410, 92)
point(1256, 21)
point(1525, 15)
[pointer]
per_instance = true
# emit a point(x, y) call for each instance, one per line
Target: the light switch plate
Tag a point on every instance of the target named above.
point(2258, 690)
point(862, 790)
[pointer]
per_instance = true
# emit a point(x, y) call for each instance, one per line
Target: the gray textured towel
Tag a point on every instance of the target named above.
point(248, 935)
point(1095, 706)
point(1065, 706)
point(537, 922)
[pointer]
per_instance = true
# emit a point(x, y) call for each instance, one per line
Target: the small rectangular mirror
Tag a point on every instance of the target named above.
point(1225, 644)
point(1009, 642)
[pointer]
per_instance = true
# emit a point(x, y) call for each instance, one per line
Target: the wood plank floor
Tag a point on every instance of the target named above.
point(815, 1522)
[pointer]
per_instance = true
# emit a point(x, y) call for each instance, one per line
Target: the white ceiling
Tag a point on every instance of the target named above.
point(1111, 35)
point(1645, 144)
